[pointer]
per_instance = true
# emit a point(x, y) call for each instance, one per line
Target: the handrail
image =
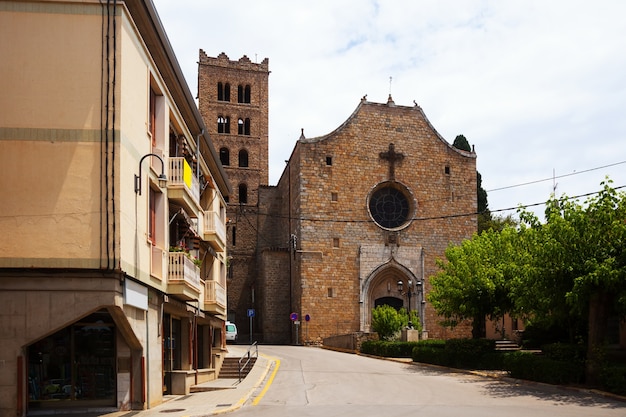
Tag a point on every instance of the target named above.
point(248, 354)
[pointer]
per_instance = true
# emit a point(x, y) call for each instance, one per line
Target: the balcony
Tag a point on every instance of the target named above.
point(214, 230)
point(214, 297)
point(182, 186)
point(183, 276)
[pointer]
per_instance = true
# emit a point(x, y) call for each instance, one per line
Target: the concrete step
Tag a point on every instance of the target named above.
point(507, 345)
point(230, 368)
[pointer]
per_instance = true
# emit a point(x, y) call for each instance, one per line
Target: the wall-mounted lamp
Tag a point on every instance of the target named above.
point(162, 178)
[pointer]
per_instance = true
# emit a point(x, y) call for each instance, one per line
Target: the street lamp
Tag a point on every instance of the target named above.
point(411, 290)
point(162, 178)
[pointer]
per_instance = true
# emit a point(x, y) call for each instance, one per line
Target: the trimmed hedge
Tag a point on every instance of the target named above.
point(388, 349)
point(533, 367)
point(561, 364)
point(613, 379)
point(458, 353)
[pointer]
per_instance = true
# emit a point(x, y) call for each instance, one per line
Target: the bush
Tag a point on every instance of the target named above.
point(430, 351)
point(533, 367)
point(565, 352)
point(468, 353)
point(388, 349)
point(613, 379)
point(386, 321)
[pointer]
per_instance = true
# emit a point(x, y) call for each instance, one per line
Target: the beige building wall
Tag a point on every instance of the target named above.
point(75, 231)
point(49, 152)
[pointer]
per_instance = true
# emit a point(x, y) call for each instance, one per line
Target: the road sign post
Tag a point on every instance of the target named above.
point(251, 314)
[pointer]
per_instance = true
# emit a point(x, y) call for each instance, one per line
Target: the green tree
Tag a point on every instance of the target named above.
point(473, 283)
point(484, 215)
point(580, 258)
point(386, 321)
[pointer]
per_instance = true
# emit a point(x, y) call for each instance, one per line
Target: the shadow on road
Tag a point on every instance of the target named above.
point(504, 387)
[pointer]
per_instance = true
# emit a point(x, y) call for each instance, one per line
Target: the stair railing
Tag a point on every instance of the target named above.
point(248, 357)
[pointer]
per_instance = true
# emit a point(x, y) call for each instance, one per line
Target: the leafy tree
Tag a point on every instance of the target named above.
point(386, 321)
point(474, 282)
point(569, 271)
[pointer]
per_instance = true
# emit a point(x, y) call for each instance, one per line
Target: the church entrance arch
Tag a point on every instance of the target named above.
point(381, 288)
point(394, 302)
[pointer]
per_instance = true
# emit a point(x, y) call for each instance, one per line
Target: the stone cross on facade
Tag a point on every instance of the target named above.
point(392, 156)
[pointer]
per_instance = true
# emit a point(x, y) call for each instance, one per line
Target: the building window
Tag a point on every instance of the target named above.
point(447, 169)
point(223, 124)
point(331, 292)
point(234, 242)
point(152, 117)
point(243, 94)
point(156, 229)
point(223, 91)
point(335, 242)
point(391, 205)
point(334, 197)
point(243, 158)
point(243, 194)
point(243, 126)
point(329, 160)
point(225, 156)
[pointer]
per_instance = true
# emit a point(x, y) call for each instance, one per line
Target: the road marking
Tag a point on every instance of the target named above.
point(269, 382)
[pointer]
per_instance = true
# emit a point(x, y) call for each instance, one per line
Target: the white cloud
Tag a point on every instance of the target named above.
point(537, 86)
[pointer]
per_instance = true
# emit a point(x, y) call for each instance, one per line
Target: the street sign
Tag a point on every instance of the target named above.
point(251, 312)
point(293, 316)
point(307, 317)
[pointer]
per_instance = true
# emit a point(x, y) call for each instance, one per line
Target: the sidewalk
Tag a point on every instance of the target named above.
point(225, 394)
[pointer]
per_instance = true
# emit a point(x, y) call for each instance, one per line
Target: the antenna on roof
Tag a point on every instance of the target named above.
point(390, 78)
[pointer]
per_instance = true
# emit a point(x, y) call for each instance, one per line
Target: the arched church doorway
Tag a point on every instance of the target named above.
point(381, 288)
point(394, 302)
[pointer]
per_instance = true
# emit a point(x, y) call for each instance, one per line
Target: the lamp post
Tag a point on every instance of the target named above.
point(162, 178)
point(411, 291)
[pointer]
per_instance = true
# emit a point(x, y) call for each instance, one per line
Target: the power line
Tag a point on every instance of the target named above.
point(555, 177)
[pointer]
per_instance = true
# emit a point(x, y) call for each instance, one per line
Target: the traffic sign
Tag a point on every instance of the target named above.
point(251, 312)
point(293, 316)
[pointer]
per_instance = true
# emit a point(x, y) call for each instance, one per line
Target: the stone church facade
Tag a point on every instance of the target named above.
point(358, 219)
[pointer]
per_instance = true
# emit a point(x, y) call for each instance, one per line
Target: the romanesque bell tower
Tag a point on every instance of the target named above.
point(233, 100)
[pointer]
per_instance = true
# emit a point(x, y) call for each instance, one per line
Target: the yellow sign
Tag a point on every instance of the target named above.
point(186, 173)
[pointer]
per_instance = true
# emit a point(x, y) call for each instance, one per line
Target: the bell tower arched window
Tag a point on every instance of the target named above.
point(223, 124)
point(243, 194)
point(223, 91)
point(243, 93)
point(225, 156)
point(243, 158)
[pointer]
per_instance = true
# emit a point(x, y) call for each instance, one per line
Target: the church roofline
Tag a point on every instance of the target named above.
point(389, 104)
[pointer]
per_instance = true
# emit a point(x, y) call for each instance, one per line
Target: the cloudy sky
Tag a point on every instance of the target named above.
point(538, 87)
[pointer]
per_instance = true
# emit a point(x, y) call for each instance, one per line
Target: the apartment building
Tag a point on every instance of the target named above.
point(112, 212)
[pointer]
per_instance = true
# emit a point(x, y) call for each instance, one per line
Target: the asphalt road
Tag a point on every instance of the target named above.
point(317, 382)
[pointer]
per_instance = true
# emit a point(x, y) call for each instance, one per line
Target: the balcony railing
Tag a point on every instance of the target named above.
point(214, 293)
point(183, 275)
point(214, 227)
point(180, 174)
